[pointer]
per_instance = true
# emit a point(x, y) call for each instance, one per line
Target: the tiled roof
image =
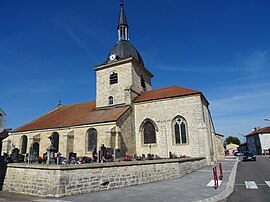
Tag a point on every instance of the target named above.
point(259, 131)
point(168, 92)
point(75, 114)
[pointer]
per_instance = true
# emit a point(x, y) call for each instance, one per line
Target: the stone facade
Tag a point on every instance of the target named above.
point(220, 148)
point(128, 86)
point(57, 181)
point(162, 113)
point(72, 139)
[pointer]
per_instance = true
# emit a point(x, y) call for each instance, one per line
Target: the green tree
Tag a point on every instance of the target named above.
point(232, 139)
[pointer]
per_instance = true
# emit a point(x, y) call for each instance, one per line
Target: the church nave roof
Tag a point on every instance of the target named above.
point(167, 92)
point(74, 115)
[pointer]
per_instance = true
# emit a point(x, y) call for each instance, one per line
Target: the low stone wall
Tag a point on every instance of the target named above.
point(61, 180)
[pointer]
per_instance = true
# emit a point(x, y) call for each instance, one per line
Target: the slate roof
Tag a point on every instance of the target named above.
point(4, 133)
point(259, 131)
point(123, 50)
point(73, 115)
point(122, 16)
point(168, 92)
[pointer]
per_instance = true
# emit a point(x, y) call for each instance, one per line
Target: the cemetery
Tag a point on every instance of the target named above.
point(56, 176)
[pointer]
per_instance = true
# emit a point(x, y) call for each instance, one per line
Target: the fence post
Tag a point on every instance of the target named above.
point(220, 171)
point(215, 178)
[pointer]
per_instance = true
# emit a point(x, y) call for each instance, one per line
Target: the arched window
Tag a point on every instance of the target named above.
point(180, 130)
point(55, 142)
point(91, 139)
point(24, 144)
point(113, 78)
point(149, 133)
point(110, 100)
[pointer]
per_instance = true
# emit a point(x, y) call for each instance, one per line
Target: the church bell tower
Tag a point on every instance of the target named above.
point(123, 76)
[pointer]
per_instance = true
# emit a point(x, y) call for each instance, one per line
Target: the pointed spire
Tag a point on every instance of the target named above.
point(122, 24)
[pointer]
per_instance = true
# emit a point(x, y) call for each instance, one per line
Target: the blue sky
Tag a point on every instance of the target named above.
point(222, 48)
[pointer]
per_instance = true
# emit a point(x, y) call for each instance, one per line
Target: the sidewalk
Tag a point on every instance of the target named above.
point(192, 187)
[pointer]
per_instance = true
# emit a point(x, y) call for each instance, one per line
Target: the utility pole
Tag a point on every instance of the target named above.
point(243, 137)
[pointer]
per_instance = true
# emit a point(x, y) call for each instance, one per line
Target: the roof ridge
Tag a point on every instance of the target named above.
point(172, 87)
point(76, 103)
point(261, 130)
point(166, 92)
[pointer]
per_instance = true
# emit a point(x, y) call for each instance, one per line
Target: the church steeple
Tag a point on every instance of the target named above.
point(122, 24)
point(123, 49)
point(122, 77)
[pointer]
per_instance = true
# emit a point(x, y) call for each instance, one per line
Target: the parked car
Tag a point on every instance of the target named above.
point(238, 154)
point(249, 156)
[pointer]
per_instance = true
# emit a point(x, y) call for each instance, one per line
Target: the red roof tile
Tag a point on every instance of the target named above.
point(75, 114)
point(259, 131)
point(168, 92)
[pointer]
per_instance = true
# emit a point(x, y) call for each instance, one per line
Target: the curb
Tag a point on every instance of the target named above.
point(229, 187)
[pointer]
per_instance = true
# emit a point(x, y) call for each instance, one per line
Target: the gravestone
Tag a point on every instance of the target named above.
point(32, 156)
point(94, 154)
point(59, 158)
point(50, 151)
point(118, 153)
point(14, 155)
point(50, 156)
point(72, 156)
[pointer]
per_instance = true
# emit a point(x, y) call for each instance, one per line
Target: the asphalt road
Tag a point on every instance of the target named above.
point(251, 181)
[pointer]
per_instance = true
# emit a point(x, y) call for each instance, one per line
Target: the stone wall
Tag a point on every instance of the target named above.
point(72, 139)
point(162, 113)
point(61, 180)
point(129, 77)
point(219, 148)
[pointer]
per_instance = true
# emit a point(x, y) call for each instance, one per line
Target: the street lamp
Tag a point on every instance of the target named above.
point(243, 137)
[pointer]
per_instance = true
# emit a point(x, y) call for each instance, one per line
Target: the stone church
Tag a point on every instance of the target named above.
point(126, 115)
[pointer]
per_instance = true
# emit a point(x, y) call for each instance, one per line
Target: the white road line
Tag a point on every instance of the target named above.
point(251, 185)
point(268, 183)
point(211, 183)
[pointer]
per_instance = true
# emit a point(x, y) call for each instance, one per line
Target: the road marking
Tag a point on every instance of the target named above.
point(267, 184)
point(212, 183)
point(251, 185)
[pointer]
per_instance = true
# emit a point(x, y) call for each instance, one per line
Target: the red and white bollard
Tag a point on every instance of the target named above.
point(220, 171)
point(215, 178)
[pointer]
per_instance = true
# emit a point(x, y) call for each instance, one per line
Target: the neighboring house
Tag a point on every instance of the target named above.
point(127, 114)
point(258, 141)
point(220, 147)
point(243, 147)
point(2, 120)
point(231, 148)
point(3, 132)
